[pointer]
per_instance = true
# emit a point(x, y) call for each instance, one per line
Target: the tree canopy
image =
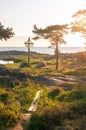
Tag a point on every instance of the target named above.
point(5, 33)
point(79, 25)
point(53, 33)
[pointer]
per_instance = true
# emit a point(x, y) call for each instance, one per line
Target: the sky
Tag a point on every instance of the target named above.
point(21, 15)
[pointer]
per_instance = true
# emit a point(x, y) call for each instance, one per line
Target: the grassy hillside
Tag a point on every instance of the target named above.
point(57, 109)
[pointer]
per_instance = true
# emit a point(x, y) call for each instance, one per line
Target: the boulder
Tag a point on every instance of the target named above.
point(41, 64)
point(61, 128)
point(68, 88)
point(3, 70)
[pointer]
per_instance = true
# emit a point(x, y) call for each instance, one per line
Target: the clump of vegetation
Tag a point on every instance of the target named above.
point(54, 93)
point(14, 101)
point(59, 108)
point(79, 72)
point(5, 81)
point(10, 114)
point(73, 95)
point(23, 64)
point(49, 118)
point(45, 119)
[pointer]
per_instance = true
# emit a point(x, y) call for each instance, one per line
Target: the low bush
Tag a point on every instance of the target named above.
point(6, 82)
point(79, 108)
point(49, 118)
point(73, 95)
point(45, 119)
point(54, 93)
point(23, 64)
point(17, 60)
point(13, 102)
point(81, 71)
point(9, 115)
point(7, 97)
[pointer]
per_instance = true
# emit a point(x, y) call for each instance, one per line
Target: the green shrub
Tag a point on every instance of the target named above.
point(6, 82)
point(45, 119)
point(73, 95)
point(17, 60)
point(54, 93)
point(81, 71)
point(49, 118)
point(13, 101)
point(25, 95)
point(79, 108)
point(7, 97)
point(23, 64)
point(9, 115)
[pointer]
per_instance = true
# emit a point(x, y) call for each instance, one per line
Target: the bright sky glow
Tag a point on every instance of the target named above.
point(21, 15)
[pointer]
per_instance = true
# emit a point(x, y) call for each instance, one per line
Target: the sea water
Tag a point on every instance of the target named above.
point(45, 50)
point(6, 62)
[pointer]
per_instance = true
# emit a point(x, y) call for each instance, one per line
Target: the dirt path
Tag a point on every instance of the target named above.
point(34, 104)
point(26, 116)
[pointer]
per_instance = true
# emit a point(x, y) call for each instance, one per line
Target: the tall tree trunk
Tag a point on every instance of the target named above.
point(57, 52)
point(28, 56)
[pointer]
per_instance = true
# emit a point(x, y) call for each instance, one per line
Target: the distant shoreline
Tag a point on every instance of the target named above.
point(44, 50)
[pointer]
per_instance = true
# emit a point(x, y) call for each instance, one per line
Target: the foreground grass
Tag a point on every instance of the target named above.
point(77, 72)
point(13, 102)
point(60, 108)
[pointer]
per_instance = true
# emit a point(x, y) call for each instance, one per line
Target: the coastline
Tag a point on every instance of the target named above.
point(45, 50)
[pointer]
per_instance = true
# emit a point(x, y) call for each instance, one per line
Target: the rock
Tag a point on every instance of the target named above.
point(10, 78)
point(3, 70)
point(76, 128)
point(41, 64)
point(43, 80)
point(68, 88)
point(61, 128)
point(19, 74)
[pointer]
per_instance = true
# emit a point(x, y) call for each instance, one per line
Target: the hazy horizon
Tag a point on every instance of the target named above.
point(21, 15)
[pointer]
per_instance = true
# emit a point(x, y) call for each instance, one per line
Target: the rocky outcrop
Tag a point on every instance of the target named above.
point(3, 70)
point(10, 78)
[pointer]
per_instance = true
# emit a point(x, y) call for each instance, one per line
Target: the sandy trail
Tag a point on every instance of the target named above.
point(27, 116)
